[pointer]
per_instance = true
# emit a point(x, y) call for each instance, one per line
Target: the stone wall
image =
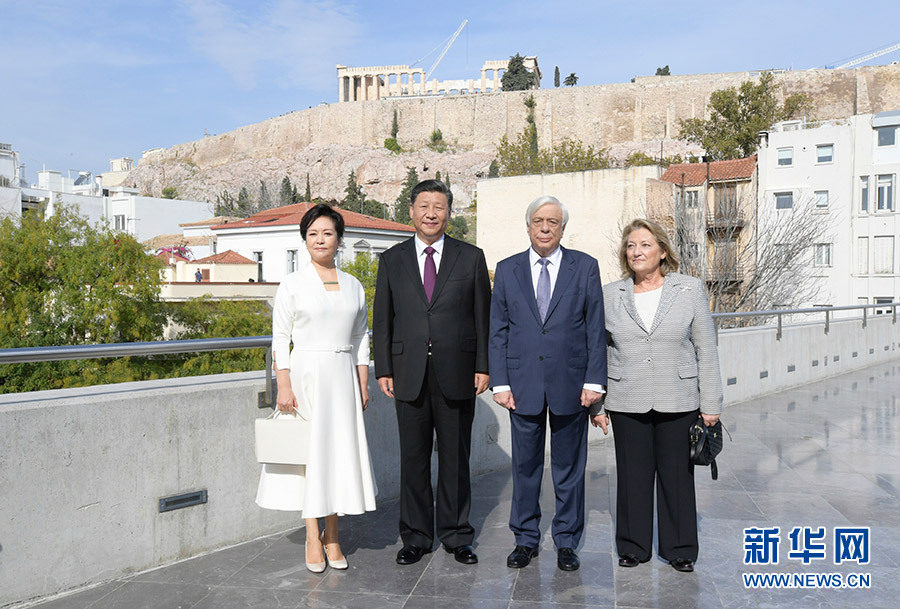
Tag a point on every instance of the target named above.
point(621, 116)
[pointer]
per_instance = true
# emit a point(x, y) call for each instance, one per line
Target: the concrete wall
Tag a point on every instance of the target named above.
point(10, 202)
point(82, 470)
point(600, 203)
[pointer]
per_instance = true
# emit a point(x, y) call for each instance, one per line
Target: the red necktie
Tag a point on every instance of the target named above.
point(430, 274)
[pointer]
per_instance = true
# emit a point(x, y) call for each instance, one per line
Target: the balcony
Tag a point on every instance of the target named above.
point(724, 273)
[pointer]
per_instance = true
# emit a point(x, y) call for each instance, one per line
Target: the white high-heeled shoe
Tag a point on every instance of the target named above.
point(315, 567)
point(335, 564)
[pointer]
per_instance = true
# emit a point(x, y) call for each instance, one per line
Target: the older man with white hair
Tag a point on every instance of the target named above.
point(547, 357)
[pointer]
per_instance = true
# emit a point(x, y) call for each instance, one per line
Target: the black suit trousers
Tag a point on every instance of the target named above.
point(418, 421)
point(653, 446)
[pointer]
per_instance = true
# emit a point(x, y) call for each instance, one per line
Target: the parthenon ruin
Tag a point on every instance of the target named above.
point(379, 82)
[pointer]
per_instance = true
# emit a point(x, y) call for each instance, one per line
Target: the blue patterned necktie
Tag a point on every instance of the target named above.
point(543, 289)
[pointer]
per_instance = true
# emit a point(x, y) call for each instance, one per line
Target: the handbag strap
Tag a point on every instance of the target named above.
point(295, 413)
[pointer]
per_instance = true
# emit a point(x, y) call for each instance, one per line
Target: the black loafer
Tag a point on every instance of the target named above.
point(682, 564)
point(567, 559)
point(409, 555)
point(520, 557)
point(463, 554)
point(627, 560)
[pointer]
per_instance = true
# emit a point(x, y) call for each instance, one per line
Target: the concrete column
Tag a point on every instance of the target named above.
point(340, 88)
point(378, 86)
point(496, 80)
point(365, 85)
point(482, 81)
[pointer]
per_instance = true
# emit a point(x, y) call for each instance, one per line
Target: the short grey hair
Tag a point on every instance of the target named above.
point(545, 200)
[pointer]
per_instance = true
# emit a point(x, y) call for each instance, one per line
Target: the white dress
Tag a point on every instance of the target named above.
point(330, 338)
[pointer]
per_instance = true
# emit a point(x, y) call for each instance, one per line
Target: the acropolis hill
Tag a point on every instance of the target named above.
point(328, 141)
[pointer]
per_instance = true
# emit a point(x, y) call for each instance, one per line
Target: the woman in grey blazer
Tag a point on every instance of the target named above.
point(663, 374)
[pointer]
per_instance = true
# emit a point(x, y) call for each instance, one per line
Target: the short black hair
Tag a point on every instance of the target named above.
point(319, 211)
point(431, 186)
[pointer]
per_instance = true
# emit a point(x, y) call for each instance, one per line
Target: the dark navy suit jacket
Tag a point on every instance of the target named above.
point(551, 360)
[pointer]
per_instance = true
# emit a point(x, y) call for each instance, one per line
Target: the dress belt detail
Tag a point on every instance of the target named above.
point(338, 349)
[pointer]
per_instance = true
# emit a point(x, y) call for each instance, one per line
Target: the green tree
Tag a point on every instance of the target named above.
point(447, 179)
point(169, 192)
point(663, 71)
point(436, 141)
point(225, 204)
point(295, 196)
point(265, 199)
point(437, 176)
point(365, 268)
point(516, 77)
point(286, 195)
point(307, 196)
point(637, 159)
point(458, 227)
point(395, 126)
point(571, 80)
point(244, 207)
point(64, 281)
point(392, 145)
point(401, 205)
point(494, 169)
point(374, 208)
point(354, 197)
point(737, 115)
point(556, 77)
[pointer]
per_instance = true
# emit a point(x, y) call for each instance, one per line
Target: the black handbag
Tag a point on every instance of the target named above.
point(706, 444)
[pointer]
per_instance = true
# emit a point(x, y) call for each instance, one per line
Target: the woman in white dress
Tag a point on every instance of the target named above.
point(322, 310)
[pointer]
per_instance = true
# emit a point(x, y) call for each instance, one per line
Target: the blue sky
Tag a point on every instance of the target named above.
point(84, 82)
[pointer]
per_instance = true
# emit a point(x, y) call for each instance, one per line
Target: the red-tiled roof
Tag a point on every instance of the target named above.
point(167, 255)
point(292, 214)
point(226, 257)
point(211, 221)
point(719, 171)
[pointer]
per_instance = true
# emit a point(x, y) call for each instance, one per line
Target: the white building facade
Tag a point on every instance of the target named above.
point(847, 171)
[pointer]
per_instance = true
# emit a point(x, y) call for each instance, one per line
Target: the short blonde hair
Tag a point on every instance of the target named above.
point(666, 265)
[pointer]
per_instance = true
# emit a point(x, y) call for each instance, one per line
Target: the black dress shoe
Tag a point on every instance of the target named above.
point(409, 555)
point(520, 557)
point(682, 564)
point(627, 560)
point(464, 554)
point(567, 559)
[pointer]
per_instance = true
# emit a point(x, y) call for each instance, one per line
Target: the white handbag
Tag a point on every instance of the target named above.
point(283, 438)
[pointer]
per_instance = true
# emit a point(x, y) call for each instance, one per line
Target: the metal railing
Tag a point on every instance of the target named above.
point(24, 355)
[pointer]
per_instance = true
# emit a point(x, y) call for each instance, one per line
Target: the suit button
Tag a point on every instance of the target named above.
point(541, 358)
point(543, 331)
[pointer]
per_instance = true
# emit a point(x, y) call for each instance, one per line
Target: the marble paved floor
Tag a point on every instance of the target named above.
point(822, 455)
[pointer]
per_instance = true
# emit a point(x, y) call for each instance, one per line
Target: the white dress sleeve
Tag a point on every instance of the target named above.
point(282, 324)
point(360, 336)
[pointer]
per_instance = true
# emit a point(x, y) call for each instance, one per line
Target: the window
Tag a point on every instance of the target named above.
point(691, 199)
point(823, 255)
point(212, 245)
point(291, 261)
point(784, 200)
point(883, 255)
point(882, 300)
point(885, 193)
point(864, 194)
point(120, 222)
point(258, 257)
point(862, 300)
point(824, 153)
point(821, 199)
point(204, 274)
point(862, 256)
point(887, 136)
point(785, 156)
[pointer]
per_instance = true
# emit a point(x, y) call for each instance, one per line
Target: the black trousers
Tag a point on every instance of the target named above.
point(654, 446)
point(418, 421)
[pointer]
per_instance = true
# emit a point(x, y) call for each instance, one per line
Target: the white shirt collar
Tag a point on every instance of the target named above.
point(554, 258)
point(420, 245)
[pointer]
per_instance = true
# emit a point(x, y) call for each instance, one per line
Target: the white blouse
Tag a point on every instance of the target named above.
point(646, 304)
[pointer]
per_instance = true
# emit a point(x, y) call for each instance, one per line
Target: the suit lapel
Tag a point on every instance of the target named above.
point(523, 274)
point(412, 267)
point(563, 279)
point(448, 260)
point(628, 302)
point(670, 287)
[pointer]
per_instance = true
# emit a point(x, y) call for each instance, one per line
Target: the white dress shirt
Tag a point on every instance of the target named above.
point(553, 269)
point(421, 256)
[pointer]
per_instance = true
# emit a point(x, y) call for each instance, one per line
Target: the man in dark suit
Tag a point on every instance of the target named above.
point(547, 353)
point(432, 308)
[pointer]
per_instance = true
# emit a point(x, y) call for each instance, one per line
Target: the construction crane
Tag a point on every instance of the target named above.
point(444, 52)
point(867, 57)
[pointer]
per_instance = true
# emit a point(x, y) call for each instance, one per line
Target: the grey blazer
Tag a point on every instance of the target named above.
point(672, 366)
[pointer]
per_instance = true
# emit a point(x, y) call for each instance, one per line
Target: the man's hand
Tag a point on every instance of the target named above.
point(481, 382)
point(709, 419)
point(387, 385)
point(601, 421)
point(505, 399)
point(589, 397)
